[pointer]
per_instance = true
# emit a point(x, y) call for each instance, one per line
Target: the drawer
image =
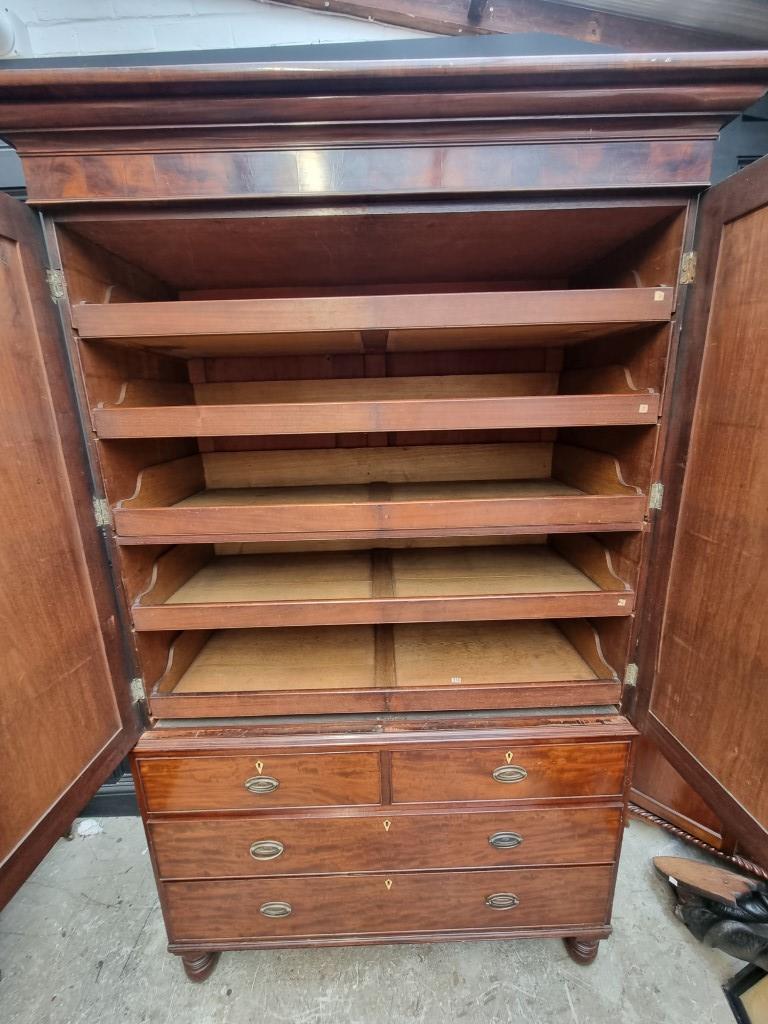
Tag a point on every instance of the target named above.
point(498, 773)
point(286, 845)
point(430, 901)
point(254, 782)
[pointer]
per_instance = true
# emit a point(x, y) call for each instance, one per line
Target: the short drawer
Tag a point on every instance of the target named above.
point(498, 773)
point(254, 782)
point(285, 845)
point(418, 902)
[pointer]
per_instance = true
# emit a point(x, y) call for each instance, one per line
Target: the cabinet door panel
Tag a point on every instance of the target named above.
point(67, 718)
point(707, 707)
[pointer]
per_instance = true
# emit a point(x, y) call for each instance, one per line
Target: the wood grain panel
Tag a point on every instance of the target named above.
point(552, 770)
point(218, 783)
point(418, 245)
point(477, 654)
point(342, 172)
point(277, 660)
point(708, 692)
point(394, 465)
point(658, 788)
point(220, 848)
point(364, 904)
point(67, 717)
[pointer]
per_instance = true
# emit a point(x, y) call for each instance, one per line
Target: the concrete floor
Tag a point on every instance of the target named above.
point(83, 943)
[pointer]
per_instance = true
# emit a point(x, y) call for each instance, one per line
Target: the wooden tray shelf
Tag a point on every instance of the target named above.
point(365, 493)
point(589, 398)
point(416, 667)
point(412, 322)
point(193, 588)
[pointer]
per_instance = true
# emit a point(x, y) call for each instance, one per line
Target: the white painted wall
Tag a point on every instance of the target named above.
point(55, 28)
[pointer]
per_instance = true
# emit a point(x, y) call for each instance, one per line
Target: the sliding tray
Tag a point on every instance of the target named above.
point(377, 405)
point(194, 588)
point(416, 667)
point(365, 493)
point(408, 322)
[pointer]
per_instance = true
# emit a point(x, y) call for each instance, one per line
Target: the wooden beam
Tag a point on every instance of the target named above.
point(472, 17)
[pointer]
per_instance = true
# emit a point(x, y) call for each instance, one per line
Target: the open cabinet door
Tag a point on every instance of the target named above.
point(66, 715)
point(705, 671)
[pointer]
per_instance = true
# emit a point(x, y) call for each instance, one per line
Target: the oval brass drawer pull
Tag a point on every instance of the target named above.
point(276, 909)
point(510, 773)
point(261, 784)
point(505, 840)
point(502, 901)
point(267, 849)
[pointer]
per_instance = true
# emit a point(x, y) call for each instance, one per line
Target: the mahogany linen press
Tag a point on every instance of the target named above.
point(384, 446)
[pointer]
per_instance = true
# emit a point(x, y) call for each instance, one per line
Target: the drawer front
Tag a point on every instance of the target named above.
point(266, 846)
point(256, 782)
point(498, 773)
point(274, 908)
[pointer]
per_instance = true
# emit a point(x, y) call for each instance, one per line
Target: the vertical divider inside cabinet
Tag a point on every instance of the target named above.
point(382, 578)
point(197, 375)
point(385, 767)
point(375, 365)
point(385, 670)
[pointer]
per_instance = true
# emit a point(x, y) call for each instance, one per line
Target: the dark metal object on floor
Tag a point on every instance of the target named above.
point(721, 909)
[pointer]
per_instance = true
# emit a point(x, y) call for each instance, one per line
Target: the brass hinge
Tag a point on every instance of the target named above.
point(55, 279)
point(101, 512)
point(630, 678)
point(688, 267)
point(656, 496)
point(137, 689)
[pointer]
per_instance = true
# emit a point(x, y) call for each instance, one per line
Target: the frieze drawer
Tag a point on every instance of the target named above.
point(509, 773)
point(256, 782)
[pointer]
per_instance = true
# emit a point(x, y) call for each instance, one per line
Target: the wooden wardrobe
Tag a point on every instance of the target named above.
point(384, 444)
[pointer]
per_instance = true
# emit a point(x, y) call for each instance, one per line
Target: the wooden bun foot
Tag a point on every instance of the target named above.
point(582, 951)
point(198, 966)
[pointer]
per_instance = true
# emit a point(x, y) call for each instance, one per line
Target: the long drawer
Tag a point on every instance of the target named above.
point(498, 773)
point(380, 904)
point(244, 782)
point(286, 845)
